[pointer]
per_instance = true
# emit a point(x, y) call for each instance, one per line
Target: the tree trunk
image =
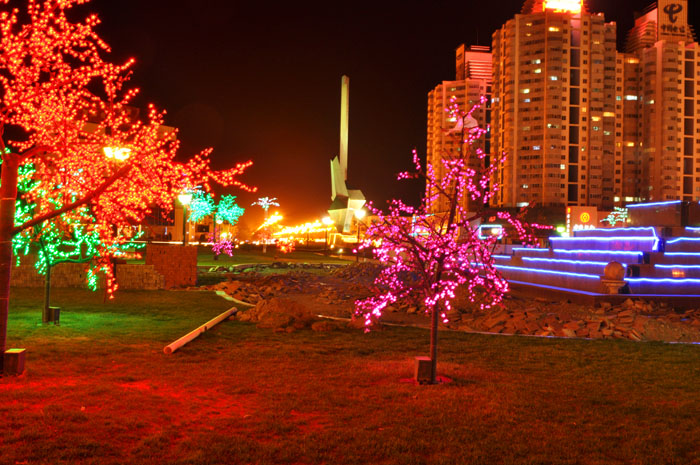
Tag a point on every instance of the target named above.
point(433, 345)
point(8, 197)
point(46, 313)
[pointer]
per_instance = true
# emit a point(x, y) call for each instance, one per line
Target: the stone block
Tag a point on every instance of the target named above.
point(14, 362)
point(423, 370)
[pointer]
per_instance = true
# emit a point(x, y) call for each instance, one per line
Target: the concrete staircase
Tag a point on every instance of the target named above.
point(656, 261)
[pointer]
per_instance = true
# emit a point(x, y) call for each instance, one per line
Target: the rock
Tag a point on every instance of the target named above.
point(276, 321)
point(323, 326)
point(567, 332)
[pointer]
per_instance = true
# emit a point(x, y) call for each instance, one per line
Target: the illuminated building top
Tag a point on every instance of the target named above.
point(558, 6)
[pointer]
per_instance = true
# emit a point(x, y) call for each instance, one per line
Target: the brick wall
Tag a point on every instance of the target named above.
point(75, 275)
point(167, 266)
point(177, 263)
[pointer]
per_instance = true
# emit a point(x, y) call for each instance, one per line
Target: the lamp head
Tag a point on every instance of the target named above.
point(185, 198)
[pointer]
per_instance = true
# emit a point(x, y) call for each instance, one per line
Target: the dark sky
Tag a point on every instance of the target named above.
point(260, 80)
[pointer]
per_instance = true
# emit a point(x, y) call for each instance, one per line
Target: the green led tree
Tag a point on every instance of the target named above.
point(66, 239)
point(226, 211)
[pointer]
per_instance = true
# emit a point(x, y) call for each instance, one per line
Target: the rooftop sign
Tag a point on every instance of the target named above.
point(569, 6)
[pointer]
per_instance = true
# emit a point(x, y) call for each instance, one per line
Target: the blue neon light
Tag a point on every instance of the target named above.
point(500, 256)
point(607, 239)
point(573, 262)
point(690, 228)
point(559, 273)
point(678, 267)
point(599, 252)
point(682, 254)
point(665, 280)
point(530, 249)
point(683, 239)
point(606, 230)
point(653, 204)
point(654, 247)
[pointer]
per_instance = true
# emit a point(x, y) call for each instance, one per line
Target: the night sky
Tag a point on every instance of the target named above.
point(261, 80)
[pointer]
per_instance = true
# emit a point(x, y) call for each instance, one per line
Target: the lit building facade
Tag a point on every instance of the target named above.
point(554, 76)
point(667, 98)
point(473, 81)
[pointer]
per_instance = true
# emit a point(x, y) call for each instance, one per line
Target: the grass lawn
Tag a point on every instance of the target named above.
point(205, 257)
point(99, 390)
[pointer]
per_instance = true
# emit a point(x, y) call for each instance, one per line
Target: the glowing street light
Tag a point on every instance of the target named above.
point(185, 198)
point(117, 153)
point(327, 221)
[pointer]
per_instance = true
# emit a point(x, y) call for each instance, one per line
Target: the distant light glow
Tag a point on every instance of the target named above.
point(569, 6)
point(488, 230)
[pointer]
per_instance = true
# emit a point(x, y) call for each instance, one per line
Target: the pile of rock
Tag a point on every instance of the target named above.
point(363, 273)
point(286, 315)
point(255, 288)
point(636, 320)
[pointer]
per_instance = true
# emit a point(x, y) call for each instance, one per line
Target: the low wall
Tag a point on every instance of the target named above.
point(167, 266)
point(74, 275)
point(177, 263)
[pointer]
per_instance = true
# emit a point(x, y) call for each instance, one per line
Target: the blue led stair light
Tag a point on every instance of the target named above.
point(653, 204)
point(551, 272)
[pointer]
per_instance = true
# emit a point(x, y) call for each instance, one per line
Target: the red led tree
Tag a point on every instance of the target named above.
point(429, 256)
point(64, 109)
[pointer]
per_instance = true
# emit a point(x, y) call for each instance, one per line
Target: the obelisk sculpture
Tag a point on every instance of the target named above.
point(344, 201)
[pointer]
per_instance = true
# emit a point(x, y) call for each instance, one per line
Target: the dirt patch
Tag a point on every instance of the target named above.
point(296, 300)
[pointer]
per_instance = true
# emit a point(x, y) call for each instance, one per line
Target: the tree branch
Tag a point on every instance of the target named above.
point(71, 206)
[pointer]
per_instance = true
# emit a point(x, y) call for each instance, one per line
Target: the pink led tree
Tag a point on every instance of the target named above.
point(429, 256)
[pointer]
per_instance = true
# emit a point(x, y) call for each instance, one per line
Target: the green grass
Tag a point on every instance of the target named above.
point(245, 256)
point(99, 390)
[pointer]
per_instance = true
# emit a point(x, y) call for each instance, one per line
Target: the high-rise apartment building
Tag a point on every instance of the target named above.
point(473, 80)
point(581, 123)
point(554, 76)
point(663, 85)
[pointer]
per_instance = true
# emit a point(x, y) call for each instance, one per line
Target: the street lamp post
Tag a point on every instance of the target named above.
point(359, 214)
point(185, 200)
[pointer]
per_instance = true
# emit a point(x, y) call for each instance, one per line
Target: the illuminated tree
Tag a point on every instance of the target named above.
point(65, 239)
point(201, 206)
point(619, 215)
point(265, 203)
point(431, 256)
point(64, 110)
point(227, 211)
